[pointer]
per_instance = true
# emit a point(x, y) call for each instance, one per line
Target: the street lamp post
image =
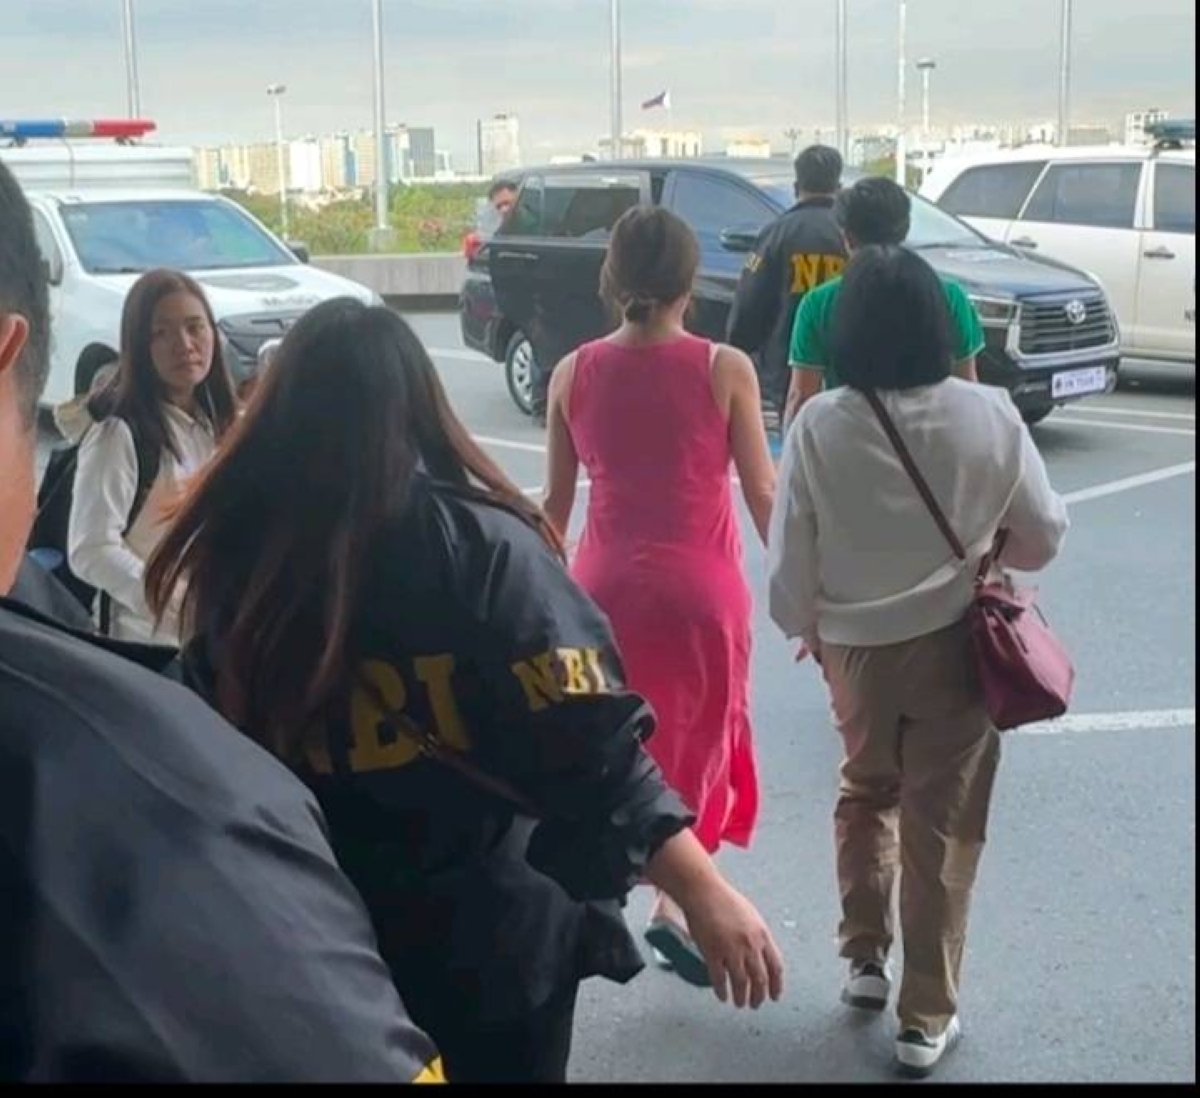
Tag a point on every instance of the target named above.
point(618, 124)
point(133, 99)
point(1064, 76)
point(276, 92)
point(925, 67)
point(843, 127)
point(381, 234)
point(901, 90)
point(793, 135)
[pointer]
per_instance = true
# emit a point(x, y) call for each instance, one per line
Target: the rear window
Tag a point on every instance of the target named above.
point(995, 190)
point(574, 207)
point(1100, 195)
point(1174, 198)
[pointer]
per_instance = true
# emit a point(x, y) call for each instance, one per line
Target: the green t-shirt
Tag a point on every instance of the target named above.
point(813, 328)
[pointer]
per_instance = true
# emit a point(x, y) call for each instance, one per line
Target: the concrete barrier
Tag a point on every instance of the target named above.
point(428, 280)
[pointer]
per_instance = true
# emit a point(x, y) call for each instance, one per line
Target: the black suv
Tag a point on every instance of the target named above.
point(533, 289)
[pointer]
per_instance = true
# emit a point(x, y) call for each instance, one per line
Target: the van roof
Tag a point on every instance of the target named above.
point(86, 165)
point(67, 197)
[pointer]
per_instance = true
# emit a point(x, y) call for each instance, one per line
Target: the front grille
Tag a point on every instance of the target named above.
point(248, 332)
point(1047, 327)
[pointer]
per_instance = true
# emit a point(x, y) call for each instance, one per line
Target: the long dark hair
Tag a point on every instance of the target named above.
point(136, 392)
point(274, 539)
point(652, 260)
point(891, 326)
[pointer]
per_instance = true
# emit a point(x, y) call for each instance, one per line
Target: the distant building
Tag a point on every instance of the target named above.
point(445, 163)
point(749, 148)
point(871, 148)
point(1136, 123)
point(1089, 135)
point(499, 141)
point(337, 164)
point(657, 145)
point(422, 152)
point(210, 169)
point(304, 166)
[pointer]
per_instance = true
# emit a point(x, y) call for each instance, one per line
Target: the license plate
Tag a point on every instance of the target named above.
point(1079, 382)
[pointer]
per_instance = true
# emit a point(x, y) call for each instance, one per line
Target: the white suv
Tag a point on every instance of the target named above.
point(1125, 215)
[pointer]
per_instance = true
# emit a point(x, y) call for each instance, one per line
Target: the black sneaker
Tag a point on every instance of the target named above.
point(917, 1054)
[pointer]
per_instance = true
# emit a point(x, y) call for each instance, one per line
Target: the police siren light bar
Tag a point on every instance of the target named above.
point(122, 130)
point(1172, 133)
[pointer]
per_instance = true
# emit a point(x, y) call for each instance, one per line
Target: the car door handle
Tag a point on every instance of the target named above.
point(519, 257)
point(1159, 253)
point(1025, 242)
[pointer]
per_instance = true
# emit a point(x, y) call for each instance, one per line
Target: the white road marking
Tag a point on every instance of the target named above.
point(1127, 484)
point(460, 355)
point(1110, 425)
point(1125, 410)
point(511, 444)
point(1112, 722)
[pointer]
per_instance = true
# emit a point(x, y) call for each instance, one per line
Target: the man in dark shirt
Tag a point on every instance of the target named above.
point(170, 909)
point(794, 254)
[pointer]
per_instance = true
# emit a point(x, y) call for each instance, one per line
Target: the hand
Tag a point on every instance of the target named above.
point(743, 960)
point(806, 651)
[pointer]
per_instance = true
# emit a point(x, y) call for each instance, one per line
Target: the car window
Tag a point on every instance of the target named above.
point(1175, 198)
point(711, 205)
point(1102, 195)
point(185, 235)
point(46, 243)
point(526, 216)
point(586, 207)
point(995, 190)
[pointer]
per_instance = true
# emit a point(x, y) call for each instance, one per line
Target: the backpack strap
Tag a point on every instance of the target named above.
point(149, 462)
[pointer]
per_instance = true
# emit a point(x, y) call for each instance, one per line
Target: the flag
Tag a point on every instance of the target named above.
point(663, 99)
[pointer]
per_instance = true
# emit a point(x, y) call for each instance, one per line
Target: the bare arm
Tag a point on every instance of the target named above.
point(735, 387)
point(806, 383)
point(742, 956)
point(562, 461)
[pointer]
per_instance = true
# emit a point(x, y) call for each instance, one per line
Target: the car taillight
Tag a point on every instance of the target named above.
point(472, 246)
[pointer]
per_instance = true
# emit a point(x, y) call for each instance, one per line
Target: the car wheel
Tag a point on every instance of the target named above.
point(1036, 415)
point(518, 372)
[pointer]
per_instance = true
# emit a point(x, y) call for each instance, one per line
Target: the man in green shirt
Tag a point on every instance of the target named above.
point(873, 211)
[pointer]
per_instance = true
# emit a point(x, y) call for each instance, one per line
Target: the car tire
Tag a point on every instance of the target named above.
point(1033, 416)
point(518, 372)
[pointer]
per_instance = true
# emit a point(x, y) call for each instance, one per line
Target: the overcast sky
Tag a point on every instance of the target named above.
point(732, 66)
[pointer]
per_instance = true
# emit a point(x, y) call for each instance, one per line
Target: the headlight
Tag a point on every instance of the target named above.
point(995, 312)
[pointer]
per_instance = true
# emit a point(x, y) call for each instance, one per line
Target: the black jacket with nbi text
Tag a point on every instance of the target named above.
point(796, 253)
point(475, 632)
point(170, 909)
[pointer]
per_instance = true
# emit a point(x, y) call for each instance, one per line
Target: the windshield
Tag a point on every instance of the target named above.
point(185, 235)
point(931, 226)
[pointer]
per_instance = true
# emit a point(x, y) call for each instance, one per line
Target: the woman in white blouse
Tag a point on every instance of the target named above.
point(861, 573)
point(157, 423)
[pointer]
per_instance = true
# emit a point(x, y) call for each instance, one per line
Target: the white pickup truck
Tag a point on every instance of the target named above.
point(106, 213)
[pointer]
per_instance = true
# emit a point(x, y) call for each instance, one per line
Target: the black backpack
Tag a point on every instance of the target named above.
point(50, 528)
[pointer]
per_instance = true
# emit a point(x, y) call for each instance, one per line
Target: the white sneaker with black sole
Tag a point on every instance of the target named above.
point(868, 985)
point(918, 1055)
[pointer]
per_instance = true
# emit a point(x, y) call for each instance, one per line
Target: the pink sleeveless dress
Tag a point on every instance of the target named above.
point(662, 556)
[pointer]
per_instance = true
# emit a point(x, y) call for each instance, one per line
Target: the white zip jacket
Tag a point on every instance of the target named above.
point(855, 556)
point(100, 552)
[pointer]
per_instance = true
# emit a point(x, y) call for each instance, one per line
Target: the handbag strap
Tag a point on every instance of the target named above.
point(922, 485)
point(914, 474)
point(433, 748)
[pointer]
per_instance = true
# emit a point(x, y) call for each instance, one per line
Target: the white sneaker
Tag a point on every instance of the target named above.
point(918, 1054)
point(868, 985)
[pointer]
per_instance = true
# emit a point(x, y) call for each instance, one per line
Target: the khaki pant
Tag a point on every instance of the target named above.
point(921, 758)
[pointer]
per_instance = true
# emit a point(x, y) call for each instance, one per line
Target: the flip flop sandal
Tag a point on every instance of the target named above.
point(678, 948)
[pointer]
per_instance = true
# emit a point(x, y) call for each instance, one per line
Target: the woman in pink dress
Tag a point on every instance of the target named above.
point(656, 417)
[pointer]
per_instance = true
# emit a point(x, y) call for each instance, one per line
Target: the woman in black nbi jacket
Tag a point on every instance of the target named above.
point(361, 577)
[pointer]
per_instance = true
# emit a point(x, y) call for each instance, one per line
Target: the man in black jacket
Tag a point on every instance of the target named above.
point(170, 909)
point(794, 254)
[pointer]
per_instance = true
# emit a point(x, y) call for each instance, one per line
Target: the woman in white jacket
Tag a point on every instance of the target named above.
point(861, 573)
point(157, 423)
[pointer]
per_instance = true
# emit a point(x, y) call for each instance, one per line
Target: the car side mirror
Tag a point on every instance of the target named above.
point(739, 240)
point(52, 271)
point(299, 250)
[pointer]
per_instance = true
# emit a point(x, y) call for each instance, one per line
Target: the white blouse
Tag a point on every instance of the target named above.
point(100, 551)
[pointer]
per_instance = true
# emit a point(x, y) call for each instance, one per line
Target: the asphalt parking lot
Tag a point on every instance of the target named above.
point(1081, 955)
